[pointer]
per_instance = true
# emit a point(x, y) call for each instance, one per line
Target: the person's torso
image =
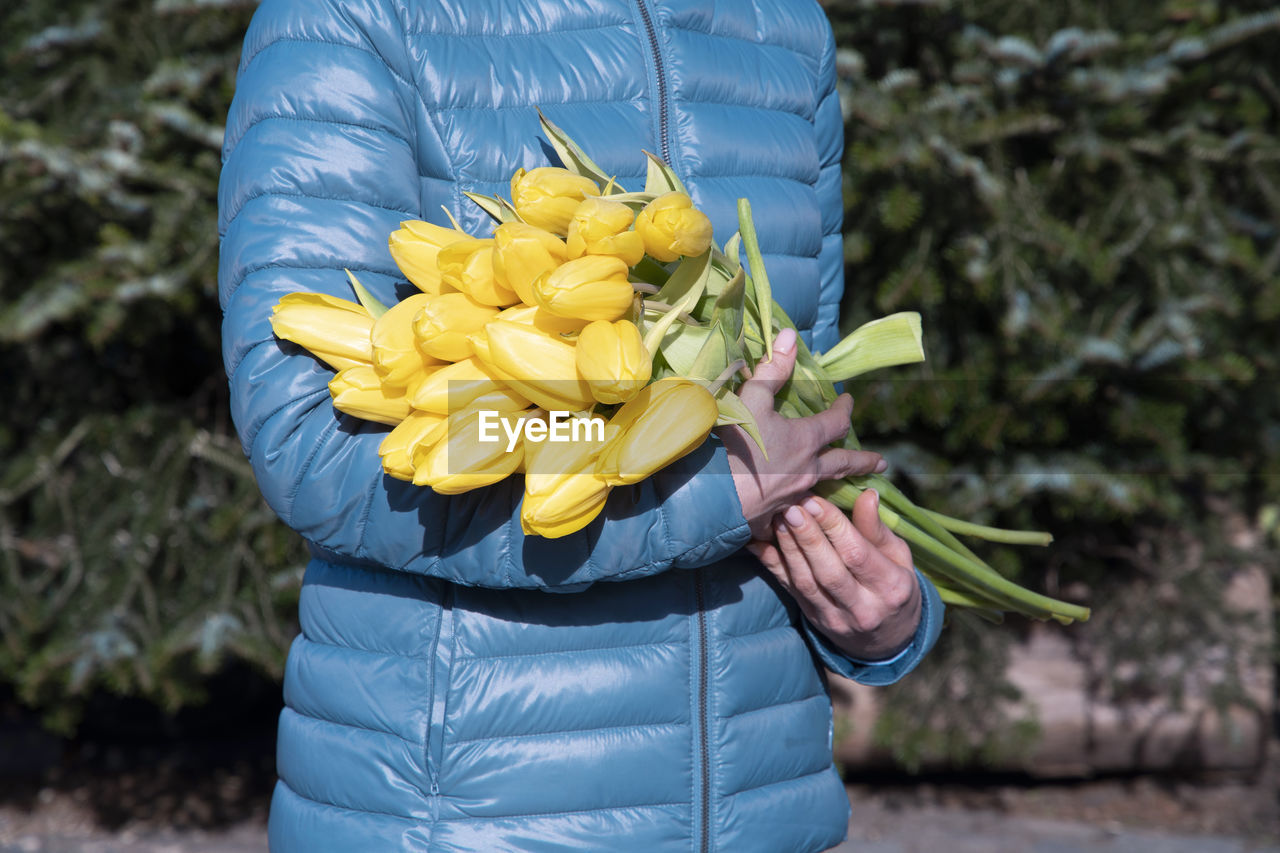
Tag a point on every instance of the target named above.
point(680, 711)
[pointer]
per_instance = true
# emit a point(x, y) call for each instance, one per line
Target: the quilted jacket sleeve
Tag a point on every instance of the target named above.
point(878, 673)
point(319, 167)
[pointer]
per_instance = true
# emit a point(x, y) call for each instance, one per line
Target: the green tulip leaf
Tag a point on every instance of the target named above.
point(498, 208)
point(730, 305)
point(370, 302)
point(571, 155)
point(635, 201)
point(682, 291)
point(735, 412)
point(687, 283)
point(714, 356)
point(661, 178)
point(681, 345)
point(650, 271)
point(732, 248)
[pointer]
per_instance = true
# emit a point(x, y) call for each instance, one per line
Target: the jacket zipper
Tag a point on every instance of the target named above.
point(704, 756)
point(442, 663)
point(661, 74)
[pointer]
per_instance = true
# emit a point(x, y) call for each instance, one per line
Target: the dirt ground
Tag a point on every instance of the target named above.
point(211, 797)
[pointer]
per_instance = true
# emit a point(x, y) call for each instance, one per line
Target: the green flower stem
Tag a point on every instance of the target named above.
point(988, 609)
point(991, 534)
point(974, 577)
point(965, 576)
point(725, 376)
point(893, 496)
point(964, 579)
point(759, 277)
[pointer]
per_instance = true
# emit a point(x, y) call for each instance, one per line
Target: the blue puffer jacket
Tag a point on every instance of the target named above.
point(457, 686)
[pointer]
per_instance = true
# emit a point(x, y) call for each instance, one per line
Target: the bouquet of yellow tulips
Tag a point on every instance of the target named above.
point(595, 338)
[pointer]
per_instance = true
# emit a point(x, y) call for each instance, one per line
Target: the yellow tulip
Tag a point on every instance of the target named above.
point(467, 265)
point(593, 287)
point(523, 252)
point(396, 356)
point(546, 197)
point(479, 340)
point(418, 430)
point(603, 227)
point(665, 421)
point(613, 360)
point(561, 494)
point(416, 246)
point(479, 343)
point(542, 320)
point(461, 461)
point(443, 323)
point(538, 366)
point(358, 391)
point(672, 227)
point(336, 331)
point(462, 384)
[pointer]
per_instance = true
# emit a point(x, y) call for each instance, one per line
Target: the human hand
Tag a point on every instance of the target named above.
point(799, 457)
point(852, 579)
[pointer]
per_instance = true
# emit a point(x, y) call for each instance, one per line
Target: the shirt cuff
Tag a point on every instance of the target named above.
point(878, 673)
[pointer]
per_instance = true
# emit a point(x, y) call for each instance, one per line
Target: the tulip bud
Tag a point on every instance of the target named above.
point(542, 320)
point(418, 430)
point(396, 356)
point(415, 248)
point(561, 494)
point(336, 331)
point(603, 227)
point(443, 323)
point(538, 366)
point(672, 227)
point(593, 287)
point(665, 421)
point(358, 391)
point(547, 196)
point(461, 460)
point(522, 253)
point(464, 384)
point(613, 360)
point(467, 265)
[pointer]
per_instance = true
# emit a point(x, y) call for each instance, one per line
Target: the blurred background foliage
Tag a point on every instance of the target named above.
point(137, 554)
point(1082, 198)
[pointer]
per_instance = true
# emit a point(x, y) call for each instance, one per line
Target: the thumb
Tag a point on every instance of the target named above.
point(866, 517)
point(771, 375)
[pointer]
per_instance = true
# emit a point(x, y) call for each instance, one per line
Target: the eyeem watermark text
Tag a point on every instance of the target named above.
point(560, 426)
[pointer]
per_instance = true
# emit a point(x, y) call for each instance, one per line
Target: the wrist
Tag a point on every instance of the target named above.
point(889, 640)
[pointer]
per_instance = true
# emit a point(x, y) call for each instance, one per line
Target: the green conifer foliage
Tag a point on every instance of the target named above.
point(1082, 198)
point(1083, 201)
point(136, 553)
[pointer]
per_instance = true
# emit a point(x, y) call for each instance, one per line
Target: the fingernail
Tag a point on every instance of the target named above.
point(811, 506)
point(785, 342)
point(882, 466)
point(875, 498)
point(795, 516)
